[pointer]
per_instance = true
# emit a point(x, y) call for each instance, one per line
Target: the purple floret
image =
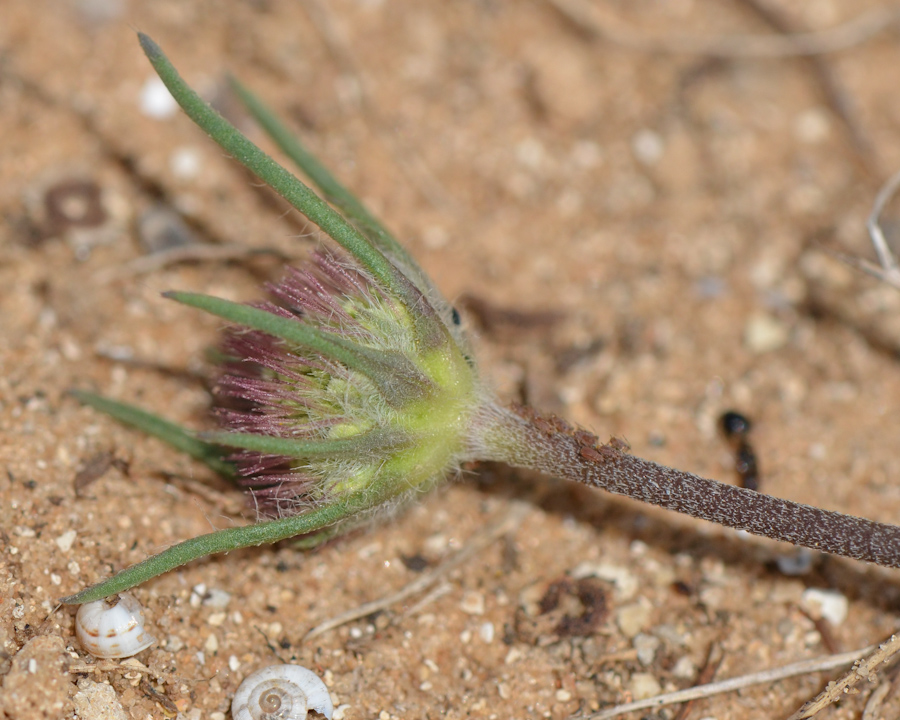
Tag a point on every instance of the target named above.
point(270, 388)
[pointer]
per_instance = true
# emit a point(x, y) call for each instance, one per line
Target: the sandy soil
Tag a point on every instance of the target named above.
point(672, 210)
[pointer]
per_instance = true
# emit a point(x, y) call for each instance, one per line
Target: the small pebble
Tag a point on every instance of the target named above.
point(648, 147)
point(156, 101)
point(160, 228)
point(646, 646)
point(684, 668)
point(799, 562)
point(643, 686)
point(764, 333)
point(633, 618)
point(185, 163)
point(198, 592)
point(625, 582)
point(472, 603)
point(812, 126)
point(829, 605)
point(211, 644)
point(486, 632)
point(97, 701)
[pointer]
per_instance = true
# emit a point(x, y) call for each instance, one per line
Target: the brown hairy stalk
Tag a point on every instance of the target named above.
point(551, 445)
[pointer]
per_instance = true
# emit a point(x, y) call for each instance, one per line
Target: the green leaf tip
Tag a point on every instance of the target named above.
point(149, 46)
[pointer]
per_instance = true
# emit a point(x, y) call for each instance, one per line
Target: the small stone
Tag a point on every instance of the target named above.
point(472, 603)
point(625, 582)
point(647, 146)
point(185, 163)
point(764, 333)
point(486, 632)
point(217, 619)
point(798, 562)
point(513, 656)
point(64, 542)
point(97, 701)
point(812, 126)
point(643, 686)
point(646, 646)
point(633, 618)
point(156, 101)
point(160, 228)
point(211, 644)
point(684, 668)
point(563, 696)
point(233, 663)
point(198, 592)
point(829, 605)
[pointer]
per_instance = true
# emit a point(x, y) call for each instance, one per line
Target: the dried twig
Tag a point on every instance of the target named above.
point(475, 545)
point(714, 658)
point(887, 269)
point(592, 20)
point(829, 662)
point(873, 704)
point(863, 669)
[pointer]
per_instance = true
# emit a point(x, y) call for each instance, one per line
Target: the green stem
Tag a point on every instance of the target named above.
point(168, 432)
point(218, 542)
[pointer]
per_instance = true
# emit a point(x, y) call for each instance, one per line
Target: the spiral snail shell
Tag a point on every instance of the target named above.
point(281, 692)
point(112, 628)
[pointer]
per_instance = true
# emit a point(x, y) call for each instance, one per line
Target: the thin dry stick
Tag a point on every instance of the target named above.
point(887, 270)
point(476, 544)
point(873, 704)
point(592, 20)
point(863, 669)
point(714, 658)
point(339, 46)
point(829, 662)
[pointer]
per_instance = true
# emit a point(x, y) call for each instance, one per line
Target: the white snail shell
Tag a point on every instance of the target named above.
point(281, 691)
point(112, 628)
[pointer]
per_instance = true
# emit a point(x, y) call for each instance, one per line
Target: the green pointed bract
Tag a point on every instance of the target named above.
point(360, 442)
point(396, 378)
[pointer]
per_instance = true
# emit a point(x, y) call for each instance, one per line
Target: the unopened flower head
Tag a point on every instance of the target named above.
point(315, 429)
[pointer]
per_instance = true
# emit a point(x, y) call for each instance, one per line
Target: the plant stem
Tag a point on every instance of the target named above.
point(522, 438)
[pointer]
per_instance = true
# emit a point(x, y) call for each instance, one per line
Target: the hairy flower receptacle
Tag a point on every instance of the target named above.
point(319, 427)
